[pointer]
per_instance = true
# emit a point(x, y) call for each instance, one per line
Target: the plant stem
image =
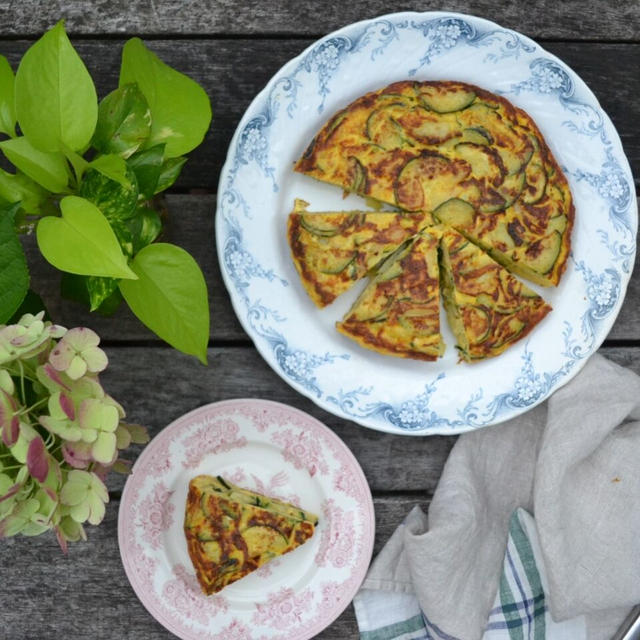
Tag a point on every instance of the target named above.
point(24, 395)
point(33, 406)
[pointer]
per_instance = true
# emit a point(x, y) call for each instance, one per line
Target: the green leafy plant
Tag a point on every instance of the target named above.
point(60, 433)
point(87, 177)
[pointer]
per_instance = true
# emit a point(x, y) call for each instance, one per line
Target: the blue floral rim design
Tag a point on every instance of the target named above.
point(442, 34)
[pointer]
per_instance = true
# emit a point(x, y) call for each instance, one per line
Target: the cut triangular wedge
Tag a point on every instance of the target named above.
point(232, 531)
point(487, 307)
point(333, 250)
point(398, 313)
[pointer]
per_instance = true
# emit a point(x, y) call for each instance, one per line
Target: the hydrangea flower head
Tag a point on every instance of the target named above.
point(29, 337)
point(78, 352)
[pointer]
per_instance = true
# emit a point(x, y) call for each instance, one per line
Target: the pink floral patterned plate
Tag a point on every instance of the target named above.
point(273, 449)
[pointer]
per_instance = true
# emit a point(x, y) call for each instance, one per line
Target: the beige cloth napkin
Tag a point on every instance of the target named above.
point(574, 463)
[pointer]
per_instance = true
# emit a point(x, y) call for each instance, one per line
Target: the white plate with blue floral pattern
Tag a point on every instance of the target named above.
point(258, 186)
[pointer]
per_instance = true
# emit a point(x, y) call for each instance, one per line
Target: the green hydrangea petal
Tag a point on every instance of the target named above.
point(95, 358)
point(74, 493)
point(6, 382)
point(123, 437)
point(99, 488)
point(77, 368)
point(81, 338)
point(104, 448)
point(97, 509)
point(34, 528)
point(71, 529)
point(80, 512)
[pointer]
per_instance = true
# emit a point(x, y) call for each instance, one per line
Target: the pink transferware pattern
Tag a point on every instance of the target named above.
point(273, 449)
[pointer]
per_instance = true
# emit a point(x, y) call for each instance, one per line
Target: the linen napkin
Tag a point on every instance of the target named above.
point(480, 565)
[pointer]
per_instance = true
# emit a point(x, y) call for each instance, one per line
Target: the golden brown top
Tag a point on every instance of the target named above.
point(419, 145)
point(399, 311)
point(488, 308)
point(231, 532)
point(332, 251)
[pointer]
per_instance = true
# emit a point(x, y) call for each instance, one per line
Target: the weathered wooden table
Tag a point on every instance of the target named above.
point(232, 49)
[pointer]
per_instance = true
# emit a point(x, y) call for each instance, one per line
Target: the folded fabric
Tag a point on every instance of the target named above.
point(574, 463)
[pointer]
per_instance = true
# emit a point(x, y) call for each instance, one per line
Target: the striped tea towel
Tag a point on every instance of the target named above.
point(519, 610)
point(479, 567)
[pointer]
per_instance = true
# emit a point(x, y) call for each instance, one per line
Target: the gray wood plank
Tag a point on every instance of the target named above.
point(46, 595)
point(37, 579)
point(191, 225)
point(221, 67)
point(572, 19)
point(156, 386)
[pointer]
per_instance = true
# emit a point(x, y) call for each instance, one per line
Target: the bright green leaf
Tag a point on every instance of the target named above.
point(116, 201)
point(56, 102)
point(82, 241)
point(137, 231)
point(124, 235)
point(48, 169)
point(169, 172)
point(170, 297)
point(7, 102)
point(144, 227)
point(180, 109)
point(14, 274)
point(113, 167)
point(16, 187)
point(147, 166)
point(79, 164)
point(100, 290)
point(124, 121)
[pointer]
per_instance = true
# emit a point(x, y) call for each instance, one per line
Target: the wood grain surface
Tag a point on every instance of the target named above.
point(233, 49)
point(543, 19)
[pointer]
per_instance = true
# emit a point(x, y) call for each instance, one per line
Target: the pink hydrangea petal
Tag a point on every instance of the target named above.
point(61, 356)
point(81, 338)
point(62, 540)
point(19, 337)
point(95, 358)
point(37, 459)
point(50, 378)
point(51, 493)
point(89, 413)
point(9, 422)
point(101, 471)
point(11, 491)
point(77, 368)
point(77, 454)
point(56, 331)
point(66, 404)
